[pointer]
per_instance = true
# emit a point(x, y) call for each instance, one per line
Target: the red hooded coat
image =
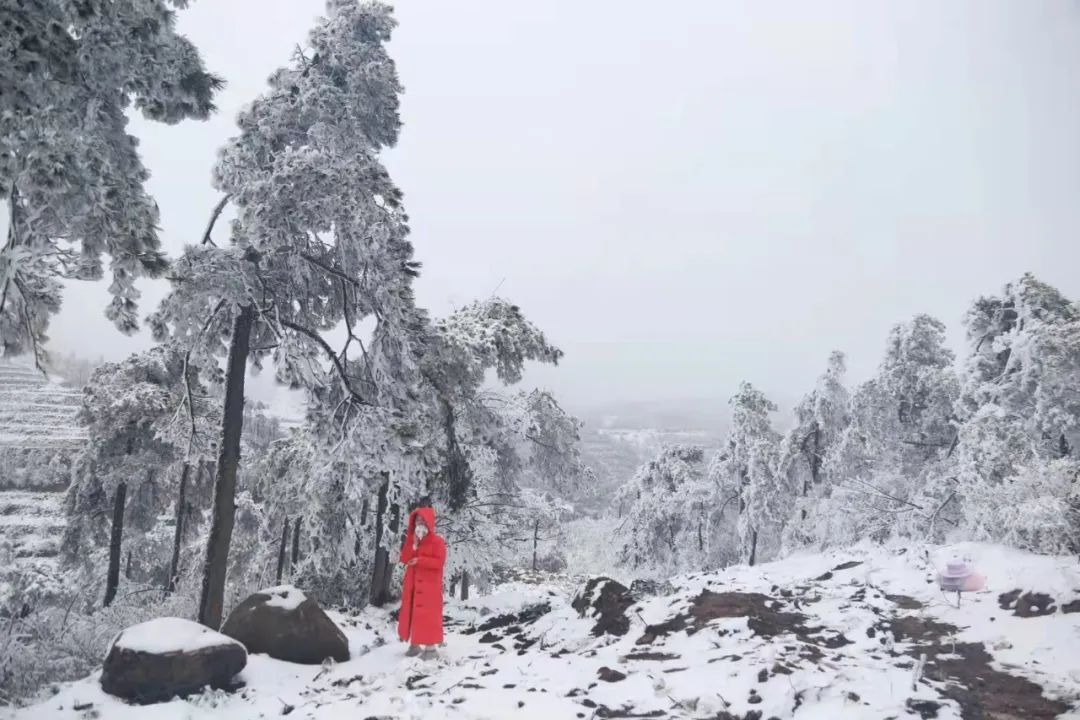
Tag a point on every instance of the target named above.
point(420, 620)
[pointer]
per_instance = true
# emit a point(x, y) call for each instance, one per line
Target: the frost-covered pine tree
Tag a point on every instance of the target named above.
point(522, 462)
point(319, 241)
point(540, 530)
point(820, 418)
point(547, 441)
point(746, 469)
point(444, 436)
point(1016, 463)
point(69, 170)
point(479, 445)
point(670, 524)
point(139, 427)
point(887, 463)
point(1023, 358)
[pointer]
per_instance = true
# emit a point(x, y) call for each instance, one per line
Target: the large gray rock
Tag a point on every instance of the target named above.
point(169, 657)
point(287, 625)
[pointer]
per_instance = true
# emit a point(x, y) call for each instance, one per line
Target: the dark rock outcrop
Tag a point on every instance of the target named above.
point(167, 658)
point(286, 625)
point(607, 601)
point(608, 675)
point(1027, 605)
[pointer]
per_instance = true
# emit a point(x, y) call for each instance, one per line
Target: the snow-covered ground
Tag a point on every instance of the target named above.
point(859, 633)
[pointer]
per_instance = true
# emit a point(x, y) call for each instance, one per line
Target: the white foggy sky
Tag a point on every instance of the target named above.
point(687, 194)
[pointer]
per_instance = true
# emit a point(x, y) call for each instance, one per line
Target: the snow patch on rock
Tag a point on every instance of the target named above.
point(286, 597)
point(170, 634)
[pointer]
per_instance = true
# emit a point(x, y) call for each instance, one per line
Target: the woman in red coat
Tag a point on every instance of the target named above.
point(420, 621)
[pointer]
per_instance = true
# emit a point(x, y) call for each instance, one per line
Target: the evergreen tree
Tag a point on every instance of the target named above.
point(903, 427)
point(820, 419)
point(475, 460)
point(747, 469)
point(319, 240)
point(139, 429)
point(1016, 463)
point(669, 526)
point(1024, 355)
point(547, 442)
point(443, 436)
point(69, 170)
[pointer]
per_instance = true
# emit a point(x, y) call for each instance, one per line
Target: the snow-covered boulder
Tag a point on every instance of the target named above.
point(607, 601)
point(169, 657)
point(285, 624)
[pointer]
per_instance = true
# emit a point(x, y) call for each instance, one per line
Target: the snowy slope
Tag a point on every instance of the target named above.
point(39, 437)
point(35, 412)
point(828, 636)
point(32, 521)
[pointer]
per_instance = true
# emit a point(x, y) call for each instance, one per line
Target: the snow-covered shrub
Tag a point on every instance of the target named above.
point(589, 547)
point(1034, 509)
point(52, 632)
point(36, 468)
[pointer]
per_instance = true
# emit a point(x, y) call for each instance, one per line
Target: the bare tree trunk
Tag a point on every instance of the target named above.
point(295, 544)
point(127, 566)
point(281, 551)
point(743, 482)
point(192, 495)
point(815, 461)
point(536, 540)
point(381, 568)
point(464, 584)
point(395, 531)
point(112, 579)
point(753, 547)
point(212, 599)
point(178, 535)
point(12, 241)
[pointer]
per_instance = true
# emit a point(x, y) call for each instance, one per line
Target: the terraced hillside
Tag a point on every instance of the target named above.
point(39, 438)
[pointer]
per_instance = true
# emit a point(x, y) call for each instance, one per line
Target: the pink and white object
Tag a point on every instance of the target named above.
point(959, 576)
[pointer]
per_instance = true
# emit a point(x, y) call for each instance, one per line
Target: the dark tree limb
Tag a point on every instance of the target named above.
point(326, 267)
point(178, 535)
point(338, 366)
point(214, 215)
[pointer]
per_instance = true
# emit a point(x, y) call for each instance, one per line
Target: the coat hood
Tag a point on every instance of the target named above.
point(425, 515)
